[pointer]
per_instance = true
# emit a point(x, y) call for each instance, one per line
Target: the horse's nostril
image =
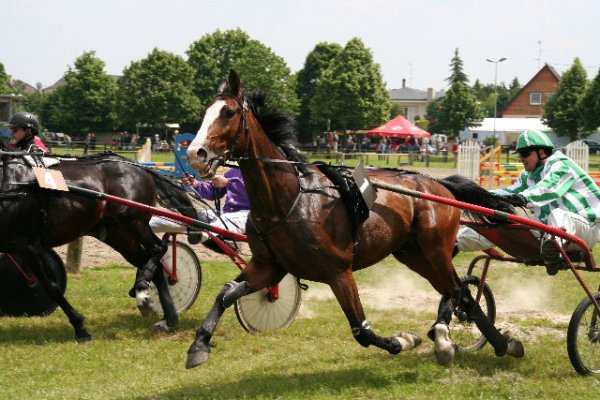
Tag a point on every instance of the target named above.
point(201, 155)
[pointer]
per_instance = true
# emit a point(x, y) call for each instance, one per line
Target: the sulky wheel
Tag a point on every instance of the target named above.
point(463, 331)
point(583, 337)
point(20, 297)
point(259, 312)
point(186, 288)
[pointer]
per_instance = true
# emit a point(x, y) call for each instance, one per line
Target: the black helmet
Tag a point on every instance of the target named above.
point(25, 120)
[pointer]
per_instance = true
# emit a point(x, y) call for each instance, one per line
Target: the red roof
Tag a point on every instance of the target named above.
point(399, 127)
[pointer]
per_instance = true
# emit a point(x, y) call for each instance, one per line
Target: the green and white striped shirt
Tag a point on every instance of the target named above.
point(559, 183)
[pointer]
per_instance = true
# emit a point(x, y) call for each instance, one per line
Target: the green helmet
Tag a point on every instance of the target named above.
point(531, 139)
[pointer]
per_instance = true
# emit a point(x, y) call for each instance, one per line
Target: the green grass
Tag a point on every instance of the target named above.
point(315, 357)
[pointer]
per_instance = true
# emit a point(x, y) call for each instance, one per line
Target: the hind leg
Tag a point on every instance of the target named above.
point(503, 343)
point(144, 251)
point(435, 265)
point(37, 264)
point(346, 292)
point(248, 281)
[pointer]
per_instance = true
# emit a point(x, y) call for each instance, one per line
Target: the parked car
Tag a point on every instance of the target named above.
point(594, 147)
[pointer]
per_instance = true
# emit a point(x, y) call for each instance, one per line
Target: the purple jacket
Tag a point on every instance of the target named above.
point(237, 196)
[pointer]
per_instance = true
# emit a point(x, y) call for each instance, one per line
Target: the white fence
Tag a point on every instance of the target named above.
point(468, 163)
point(578, 151)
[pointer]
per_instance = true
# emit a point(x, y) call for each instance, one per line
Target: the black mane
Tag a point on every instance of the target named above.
point(279, 126)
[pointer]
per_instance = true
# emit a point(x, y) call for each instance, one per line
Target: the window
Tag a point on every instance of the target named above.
point(410, 113)
point(535, 98)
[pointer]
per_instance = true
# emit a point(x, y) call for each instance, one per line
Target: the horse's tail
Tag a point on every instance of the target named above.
point(468, 191)
point(172, 196)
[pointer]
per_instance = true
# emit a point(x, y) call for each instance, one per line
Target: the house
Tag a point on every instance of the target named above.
point(529, 102)
point(413, 102)
point(523, 112)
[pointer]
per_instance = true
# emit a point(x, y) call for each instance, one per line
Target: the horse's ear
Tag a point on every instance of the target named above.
point(237, 89)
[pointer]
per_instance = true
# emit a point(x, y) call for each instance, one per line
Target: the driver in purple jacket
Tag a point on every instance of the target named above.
point(235, 210)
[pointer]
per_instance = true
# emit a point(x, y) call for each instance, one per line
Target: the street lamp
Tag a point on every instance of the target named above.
point(495, 112)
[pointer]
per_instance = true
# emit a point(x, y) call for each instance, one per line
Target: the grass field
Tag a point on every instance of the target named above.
point(315, 358)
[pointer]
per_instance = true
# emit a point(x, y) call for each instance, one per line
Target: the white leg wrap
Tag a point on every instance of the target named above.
point(144, 302)
point(408, 340)
point(442, 346)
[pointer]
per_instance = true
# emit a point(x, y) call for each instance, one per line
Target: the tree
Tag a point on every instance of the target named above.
point(4, 80)
point(264, 71)
point(212, 57)
point(458, 109)
point(215, 54)
point(316, 61)
point(351, 93)
point(456, 69)
point(86, 101)
point(562, 111)
point(157, 90)
point(590, 106)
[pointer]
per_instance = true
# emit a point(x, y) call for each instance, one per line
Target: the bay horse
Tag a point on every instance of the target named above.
point(299, 224)
point(35, 219)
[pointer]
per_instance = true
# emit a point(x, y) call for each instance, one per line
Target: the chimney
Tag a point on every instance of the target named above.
point(403, 82)
point(430, 94)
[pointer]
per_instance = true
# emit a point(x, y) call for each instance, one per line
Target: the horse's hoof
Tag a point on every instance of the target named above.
point(162, 326)
point(84, 339)
point(515, 347)
point(443, 347)
point(144, 304)
point(445, 356)
point(197, 358)
point(408, 340)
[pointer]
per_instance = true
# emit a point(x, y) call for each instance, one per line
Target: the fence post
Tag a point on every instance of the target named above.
point(74, 250)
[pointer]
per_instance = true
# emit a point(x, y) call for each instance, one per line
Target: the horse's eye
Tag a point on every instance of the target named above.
point(227, 112)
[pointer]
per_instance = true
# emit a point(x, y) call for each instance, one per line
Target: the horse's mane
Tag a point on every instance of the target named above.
point(279, 126)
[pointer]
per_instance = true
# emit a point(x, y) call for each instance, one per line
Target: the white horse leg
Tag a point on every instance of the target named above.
point(408, 340)
point(144, 302)
point(442, 346)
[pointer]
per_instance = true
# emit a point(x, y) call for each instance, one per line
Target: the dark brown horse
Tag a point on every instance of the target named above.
point(299, 224)
point(34, 220)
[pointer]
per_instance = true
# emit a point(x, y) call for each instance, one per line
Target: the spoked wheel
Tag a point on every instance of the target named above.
point(20, 297)
point(463, 331)
point(260, 312)
point(583, 337)
point(186, 288)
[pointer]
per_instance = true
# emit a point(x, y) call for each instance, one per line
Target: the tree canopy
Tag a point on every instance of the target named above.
point(316, 61)
point(86, 101)
point(350, 93)
point(458, 109)
point(590, 106)
point(214, 55)
point(562, 111)
point(4, 80)
point(158, 90)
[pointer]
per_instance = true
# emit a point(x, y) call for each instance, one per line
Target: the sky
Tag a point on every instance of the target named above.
point(410, 40)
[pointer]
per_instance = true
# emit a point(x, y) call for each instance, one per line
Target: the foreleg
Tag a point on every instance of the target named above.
point(199, 351)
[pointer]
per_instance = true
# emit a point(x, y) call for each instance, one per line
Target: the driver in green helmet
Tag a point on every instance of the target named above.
point(557, 191)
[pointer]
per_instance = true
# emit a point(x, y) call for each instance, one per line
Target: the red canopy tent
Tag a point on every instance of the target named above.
point(399, 127)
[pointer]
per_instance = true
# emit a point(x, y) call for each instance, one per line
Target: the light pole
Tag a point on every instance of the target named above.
point(496, 62)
